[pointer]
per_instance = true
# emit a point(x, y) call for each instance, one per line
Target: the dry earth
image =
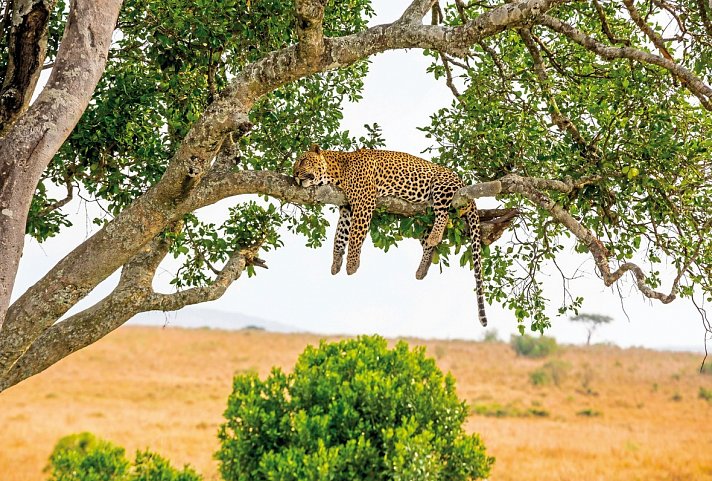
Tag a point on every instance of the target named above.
point(165, 389)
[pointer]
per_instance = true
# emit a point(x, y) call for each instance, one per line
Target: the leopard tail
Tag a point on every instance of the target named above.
point(473, 219)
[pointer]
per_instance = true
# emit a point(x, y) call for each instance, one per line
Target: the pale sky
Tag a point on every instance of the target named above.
point(383, 296)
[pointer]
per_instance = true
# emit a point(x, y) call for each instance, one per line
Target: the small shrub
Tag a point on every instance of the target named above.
point(511, 410)
point(677, 397)
point(554, 371)
point(350, 410)
point(84, 457)
point(705, 394)
point(590, 413)
point(528, 346)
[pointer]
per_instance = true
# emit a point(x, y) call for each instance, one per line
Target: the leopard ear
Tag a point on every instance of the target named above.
point(315, 148)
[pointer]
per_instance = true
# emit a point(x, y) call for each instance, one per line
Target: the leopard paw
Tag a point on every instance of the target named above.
point(352, 267)
point(421, 272)
point(336, 265)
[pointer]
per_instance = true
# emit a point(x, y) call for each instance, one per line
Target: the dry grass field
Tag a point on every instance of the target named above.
point(616, 414)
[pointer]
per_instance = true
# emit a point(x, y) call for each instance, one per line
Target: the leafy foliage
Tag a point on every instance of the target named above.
point(83, 457)
point(643, 158)
point(350, 410)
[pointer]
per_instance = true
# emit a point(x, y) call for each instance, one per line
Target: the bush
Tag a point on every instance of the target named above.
point(83, 457)
point(528, 346)
point(350, 410)
point(705, 394)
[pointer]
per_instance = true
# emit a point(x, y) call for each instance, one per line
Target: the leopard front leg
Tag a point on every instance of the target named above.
point(361, 214)
point(341, 238)
point(442, 196)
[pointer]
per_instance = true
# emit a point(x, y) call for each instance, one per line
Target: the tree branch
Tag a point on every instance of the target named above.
point(310, 31)
point(131, 296)
point(416, 11)
point(560, 120)
point(649, 32)
point(696, 86)
point(530, 190)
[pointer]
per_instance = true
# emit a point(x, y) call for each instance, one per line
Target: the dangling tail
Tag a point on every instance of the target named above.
point(473, 219)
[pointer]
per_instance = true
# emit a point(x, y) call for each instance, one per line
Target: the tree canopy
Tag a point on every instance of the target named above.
point(590, 121)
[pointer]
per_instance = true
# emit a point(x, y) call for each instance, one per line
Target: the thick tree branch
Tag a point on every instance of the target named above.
point(696, 86)
point(310, 31)
point(416, 11)
point(131, 296)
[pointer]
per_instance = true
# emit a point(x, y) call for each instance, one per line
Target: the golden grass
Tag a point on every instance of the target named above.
point(165, 389)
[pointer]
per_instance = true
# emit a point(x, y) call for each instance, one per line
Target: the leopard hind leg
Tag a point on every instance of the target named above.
point(443, 192)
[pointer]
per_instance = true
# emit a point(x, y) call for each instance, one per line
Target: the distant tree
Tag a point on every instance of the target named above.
point(592, 322)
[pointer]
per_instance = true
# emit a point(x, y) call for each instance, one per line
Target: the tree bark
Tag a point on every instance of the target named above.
point(28, 146)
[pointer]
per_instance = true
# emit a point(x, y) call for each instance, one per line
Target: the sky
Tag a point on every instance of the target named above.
point(383, 296)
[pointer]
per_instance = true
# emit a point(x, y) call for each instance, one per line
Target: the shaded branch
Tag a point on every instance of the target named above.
point(27, 45)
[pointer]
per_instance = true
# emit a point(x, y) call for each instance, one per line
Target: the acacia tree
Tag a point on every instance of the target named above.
point(592, 321)
point(588, 120)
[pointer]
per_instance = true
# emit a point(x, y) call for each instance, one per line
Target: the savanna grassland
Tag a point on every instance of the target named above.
point(597, 413)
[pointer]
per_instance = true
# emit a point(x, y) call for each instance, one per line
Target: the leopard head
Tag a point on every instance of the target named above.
point(311, 169)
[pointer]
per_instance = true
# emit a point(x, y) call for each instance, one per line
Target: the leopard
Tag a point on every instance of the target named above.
point(363, 176)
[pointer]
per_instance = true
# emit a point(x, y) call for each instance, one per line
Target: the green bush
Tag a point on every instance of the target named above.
point(350, 410)
point(83, 457)
point(705, 394)
point(528, 346)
